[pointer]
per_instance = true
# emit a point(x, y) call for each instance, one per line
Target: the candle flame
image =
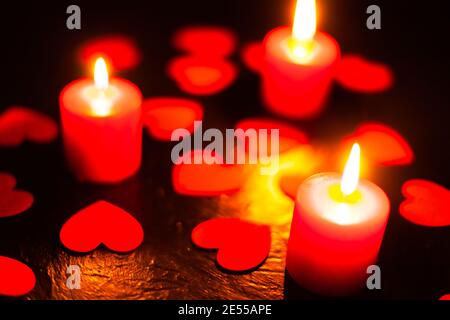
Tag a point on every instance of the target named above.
point(101, 102)
point(101, 74)
point(304, 27)
point(350, 176)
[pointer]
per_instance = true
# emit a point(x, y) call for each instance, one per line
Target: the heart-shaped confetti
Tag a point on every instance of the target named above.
point(241, 245)
point(205, 41)
point(120, 52)
point(381, 144)
point(359, 74)
point(201, 76)
point(16, 278)
point(102, 223)
point(162, 115)
point(427, 203)
point(252, 55)
point(18, 124)
point(12, 202)
point(289, 136)
point(204, 179)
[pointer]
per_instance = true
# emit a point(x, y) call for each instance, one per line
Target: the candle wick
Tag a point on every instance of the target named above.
point(301, 50)
point(337, 195)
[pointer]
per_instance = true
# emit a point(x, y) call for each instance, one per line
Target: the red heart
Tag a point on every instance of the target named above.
point(241, 245)
point(162, 115)
point(201, 76)
point(20, 123)
point(206, 179)
point(427, 203)
point(205, 41)
point(252, 55)
point(121, 52)
point(381, 144)
point(289, 136)
point(12, 202)
point(16, 279)
point(361, 75)
point(445, 297)
point(102, 223)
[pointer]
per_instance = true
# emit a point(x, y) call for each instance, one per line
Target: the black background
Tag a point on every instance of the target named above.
point(38, 59)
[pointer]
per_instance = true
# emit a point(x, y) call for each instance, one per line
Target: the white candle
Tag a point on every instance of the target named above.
point(337, 230)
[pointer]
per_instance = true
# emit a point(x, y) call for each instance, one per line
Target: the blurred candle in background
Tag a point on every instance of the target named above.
point(337, 230)
point(299, 65)
point(102, 127)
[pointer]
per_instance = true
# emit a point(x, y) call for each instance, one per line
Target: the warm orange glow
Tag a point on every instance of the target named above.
point(304, 27)
point(267, 198)
point(350, 177)
point(101, 74)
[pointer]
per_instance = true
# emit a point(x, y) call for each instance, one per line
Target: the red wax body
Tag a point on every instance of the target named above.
point(330, 248)
point(102, 147)
point(293, 89)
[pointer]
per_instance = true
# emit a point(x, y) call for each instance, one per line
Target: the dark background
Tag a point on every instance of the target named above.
point(38, 59)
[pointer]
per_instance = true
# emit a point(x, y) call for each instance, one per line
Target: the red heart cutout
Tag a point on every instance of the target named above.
point(16, 278)
point(12, 202)
point(445, 297)
point(252, 55)
point(427, 203)
point(120, 51)
point(162, 115)
point(201, 76)
point(19, 123)
point(381, 144)
point(241, 245)
point(359, 74)
point(289, 136)
point(205, 41)
point(206, 179)
point(102, 223)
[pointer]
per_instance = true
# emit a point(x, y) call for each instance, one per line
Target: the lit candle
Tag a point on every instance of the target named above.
point(102, 127)
point(337, 230)
point(299, 65)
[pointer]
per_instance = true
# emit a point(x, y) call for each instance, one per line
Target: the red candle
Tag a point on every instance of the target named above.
point(299, 66)
point(102, 127)
point(336, 231)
